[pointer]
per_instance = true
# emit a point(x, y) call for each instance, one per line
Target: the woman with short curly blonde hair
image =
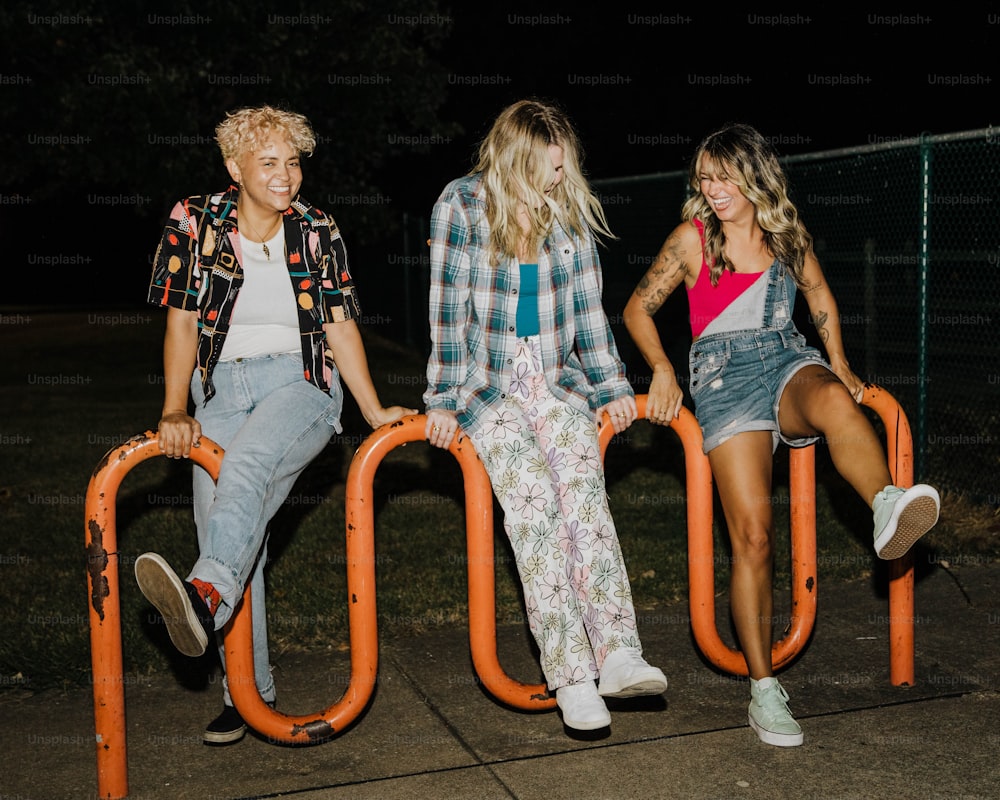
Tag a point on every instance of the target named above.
point(245, 130)
point(262, 322)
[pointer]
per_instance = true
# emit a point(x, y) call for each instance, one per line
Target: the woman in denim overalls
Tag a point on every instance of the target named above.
point(742, 253)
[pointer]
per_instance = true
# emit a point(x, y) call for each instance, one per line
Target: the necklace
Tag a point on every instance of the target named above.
point(263, 239)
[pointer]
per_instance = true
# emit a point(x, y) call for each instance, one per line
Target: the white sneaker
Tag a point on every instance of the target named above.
point(582, 707)
point(626, 674)
point(770, 718)
point(902, 517)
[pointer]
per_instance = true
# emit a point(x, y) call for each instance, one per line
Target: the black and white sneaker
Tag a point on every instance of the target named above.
point(227, 728)
point(189, 622)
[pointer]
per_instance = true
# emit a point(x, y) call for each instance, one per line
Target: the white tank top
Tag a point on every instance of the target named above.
point(265, 320)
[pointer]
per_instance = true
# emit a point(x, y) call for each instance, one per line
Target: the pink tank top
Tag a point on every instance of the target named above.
point(705, 301)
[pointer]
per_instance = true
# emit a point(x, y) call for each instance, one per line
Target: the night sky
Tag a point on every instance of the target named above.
point(642, 88)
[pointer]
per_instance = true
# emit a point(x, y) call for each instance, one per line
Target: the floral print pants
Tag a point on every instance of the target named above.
point(543, 458)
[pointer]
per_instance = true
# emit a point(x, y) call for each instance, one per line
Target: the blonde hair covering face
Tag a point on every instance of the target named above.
point(740, 154)
point(516, 169)
point(247, 129)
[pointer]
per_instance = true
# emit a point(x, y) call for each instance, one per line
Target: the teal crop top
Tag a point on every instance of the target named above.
point(527, 301)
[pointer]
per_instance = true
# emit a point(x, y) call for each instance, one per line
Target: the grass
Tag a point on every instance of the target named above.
point(78, 384)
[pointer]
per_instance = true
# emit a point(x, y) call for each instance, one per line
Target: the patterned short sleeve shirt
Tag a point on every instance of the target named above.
point(197, 267)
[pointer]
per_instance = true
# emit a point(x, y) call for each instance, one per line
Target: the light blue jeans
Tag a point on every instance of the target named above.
point(272, 423)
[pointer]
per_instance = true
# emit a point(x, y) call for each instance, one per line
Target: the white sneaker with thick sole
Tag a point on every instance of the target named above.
point(902, 517)
point(770, 718)
point(582, 707)
point(626, 674)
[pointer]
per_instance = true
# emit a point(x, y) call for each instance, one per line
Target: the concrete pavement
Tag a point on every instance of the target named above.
point(431, 731)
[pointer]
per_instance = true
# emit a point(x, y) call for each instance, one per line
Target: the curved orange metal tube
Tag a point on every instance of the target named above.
point(802, 491)
point(363, 617)
point(105, 605)
point(899, 445)
point(802, 499)
point(105, 613)
point(105, 608)
point(701, 550)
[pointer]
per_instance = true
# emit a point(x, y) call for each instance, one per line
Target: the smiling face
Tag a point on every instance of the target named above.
point(270, 178)
point(723, 195)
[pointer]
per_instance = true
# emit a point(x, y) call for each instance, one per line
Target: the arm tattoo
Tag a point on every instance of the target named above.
point(652, 303)
point(819, 321)
point(665, 275)
point(676, 257)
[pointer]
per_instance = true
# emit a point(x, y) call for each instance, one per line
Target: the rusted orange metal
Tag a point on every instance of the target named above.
point(363, 617)
point(105, 608)
point(802, 491)
point(105, 605)
point(701, 566)
point(105, 613)
point(899, 445)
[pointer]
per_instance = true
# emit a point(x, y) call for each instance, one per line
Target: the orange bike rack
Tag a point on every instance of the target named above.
point(363, 619)
point(105, 607)
point(802, 490)
point(105, 610)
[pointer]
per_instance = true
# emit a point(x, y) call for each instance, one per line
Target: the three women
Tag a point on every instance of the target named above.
point(524, 363)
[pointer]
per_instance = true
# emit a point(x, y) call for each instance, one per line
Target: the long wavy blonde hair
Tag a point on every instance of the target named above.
point(739, 153)
point(516, 169)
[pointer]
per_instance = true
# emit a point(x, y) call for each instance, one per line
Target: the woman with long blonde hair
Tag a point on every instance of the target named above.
point(742, 253)
point(524, 364)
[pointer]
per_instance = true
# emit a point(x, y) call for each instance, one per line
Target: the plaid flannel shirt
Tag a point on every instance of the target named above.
point(197, 268)
point(473, 307)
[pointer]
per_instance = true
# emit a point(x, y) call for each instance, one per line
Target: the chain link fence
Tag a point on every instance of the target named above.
point(908, 234)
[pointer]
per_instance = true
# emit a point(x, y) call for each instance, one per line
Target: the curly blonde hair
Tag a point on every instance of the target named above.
point(247, 129)
point(739, 153)
point(516, 169)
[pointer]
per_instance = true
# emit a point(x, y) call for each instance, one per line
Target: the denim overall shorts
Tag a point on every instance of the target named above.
point(737, 376)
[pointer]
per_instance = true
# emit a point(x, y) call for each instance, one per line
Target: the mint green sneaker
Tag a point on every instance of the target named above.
point(769, 715)
point(902, 517)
